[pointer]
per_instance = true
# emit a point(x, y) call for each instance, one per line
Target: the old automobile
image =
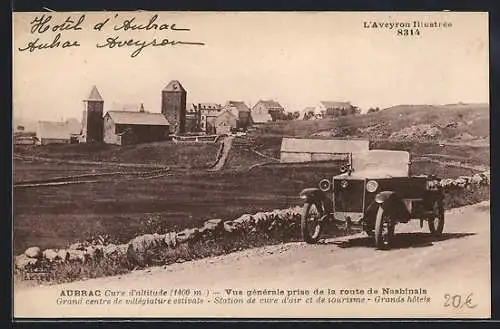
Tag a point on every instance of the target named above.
point(374, 192)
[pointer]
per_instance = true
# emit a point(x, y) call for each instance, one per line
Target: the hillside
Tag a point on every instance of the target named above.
point(447, 122)
point(162, 153)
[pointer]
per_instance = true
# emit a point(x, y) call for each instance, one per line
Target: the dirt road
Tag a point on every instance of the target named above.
point(457, 264)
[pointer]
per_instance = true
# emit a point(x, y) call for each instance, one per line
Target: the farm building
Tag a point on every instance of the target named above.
point(124, 127)
point(241, 111)
point(66, 132)
point(225, 122)
point(310, 150)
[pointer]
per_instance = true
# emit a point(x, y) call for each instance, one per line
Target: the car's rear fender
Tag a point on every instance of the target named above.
point(393, 204)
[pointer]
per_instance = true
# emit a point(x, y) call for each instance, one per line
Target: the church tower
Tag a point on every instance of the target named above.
point(173, 106)
point(93, 122)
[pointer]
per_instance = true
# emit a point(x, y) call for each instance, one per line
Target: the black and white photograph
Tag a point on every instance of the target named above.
point(251, 165)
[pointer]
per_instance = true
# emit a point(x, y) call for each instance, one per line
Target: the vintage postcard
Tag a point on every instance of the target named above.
point(251, 164)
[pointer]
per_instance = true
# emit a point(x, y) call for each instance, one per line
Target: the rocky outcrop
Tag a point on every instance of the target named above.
point(421, 133)
point(33, 252)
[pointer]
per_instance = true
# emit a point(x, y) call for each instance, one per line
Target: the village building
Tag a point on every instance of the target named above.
point(208, 112)
point(241, 111)
point(329, 109)
point(173, 106)
point(49, 132)
point(126, 127)
point(225, 122)
point(267, 111)
point(123, 124)
point(92, 124)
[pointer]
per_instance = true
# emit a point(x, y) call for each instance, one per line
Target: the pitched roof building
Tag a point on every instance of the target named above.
point(173, 106)
point(224, 122)
point(138, 118)
point(241, 111)
point(240, 105)
point(266, 111)
point(123, 127)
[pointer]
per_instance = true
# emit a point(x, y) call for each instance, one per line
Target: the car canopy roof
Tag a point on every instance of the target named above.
point(380, 164)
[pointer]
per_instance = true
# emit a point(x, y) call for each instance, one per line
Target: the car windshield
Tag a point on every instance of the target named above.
point(381, 163)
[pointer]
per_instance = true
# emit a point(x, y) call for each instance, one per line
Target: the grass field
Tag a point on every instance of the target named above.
point(51, 217)
point(55, 216)
point(25, 171)
point(163, 153)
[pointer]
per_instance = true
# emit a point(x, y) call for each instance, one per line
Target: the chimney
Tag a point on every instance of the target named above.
point(142, 108)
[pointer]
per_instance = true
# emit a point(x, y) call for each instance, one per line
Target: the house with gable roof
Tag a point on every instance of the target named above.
point(241, 111)
point(267, 111)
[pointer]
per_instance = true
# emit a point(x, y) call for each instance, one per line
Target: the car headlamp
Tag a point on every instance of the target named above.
point(344, 183)
point(324, 185)
point(371, 186)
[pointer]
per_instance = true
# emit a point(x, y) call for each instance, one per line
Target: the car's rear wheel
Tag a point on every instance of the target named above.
point(384, 229)
point(310, 223)
point(436, 223)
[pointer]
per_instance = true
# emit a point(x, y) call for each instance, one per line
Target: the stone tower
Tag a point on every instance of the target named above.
point(173, 106)
point(93, 122)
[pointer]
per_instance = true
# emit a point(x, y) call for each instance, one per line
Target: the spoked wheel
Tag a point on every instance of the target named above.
point(436, 223)
point(310, 223)
point(384, 230)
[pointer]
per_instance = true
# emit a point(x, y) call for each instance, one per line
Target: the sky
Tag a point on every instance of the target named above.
point(296, 58)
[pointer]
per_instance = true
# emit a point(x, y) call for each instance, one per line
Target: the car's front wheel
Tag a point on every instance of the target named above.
point(311, 224)
point(384, 229)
